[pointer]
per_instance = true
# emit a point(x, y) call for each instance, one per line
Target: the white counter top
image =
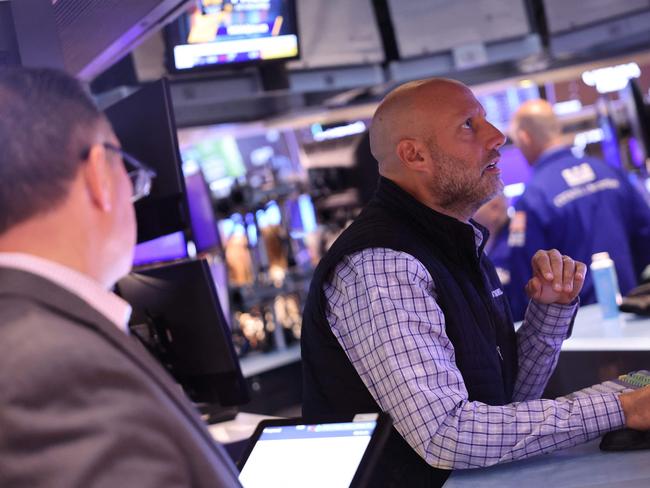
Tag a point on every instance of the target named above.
point(591, 333)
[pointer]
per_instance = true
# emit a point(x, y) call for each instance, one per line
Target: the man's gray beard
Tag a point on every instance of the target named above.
point(453, 195)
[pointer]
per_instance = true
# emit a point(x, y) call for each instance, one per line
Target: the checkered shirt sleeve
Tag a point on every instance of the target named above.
point(382, 309)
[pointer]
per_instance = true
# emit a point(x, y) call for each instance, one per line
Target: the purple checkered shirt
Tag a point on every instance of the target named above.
point(382, 309)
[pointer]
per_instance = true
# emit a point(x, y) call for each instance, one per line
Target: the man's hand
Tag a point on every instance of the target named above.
point(556, 278)
point(636, 408)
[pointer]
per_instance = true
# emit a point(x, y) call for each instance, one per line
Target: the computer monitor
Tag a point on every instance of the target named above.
point(214, 34)
point(202, 220)
point(176, 313)
point(144, 124)
point(166, 248)
point(638, 115)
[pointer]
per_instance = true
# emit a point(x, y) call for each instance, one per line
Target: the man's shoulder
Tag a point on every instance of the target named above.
point(377, 266)
point(554, 167)
point(34, 337)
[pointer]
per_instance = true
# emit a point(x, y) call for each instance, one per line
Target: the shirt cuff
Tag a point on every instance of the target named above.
point(551, 319)
point(600, 414)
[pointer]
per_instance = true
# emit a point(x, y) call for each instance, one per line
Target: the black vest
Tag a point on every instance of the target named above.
point(477, 321)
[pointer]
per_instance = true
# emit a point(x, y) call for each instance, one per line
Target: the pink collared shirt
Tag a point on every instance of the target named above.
point(106, 303)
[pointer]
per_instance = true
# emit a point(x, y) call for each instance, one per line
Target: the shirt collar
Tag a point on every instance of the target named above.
point(551, 154)
point(106, 303)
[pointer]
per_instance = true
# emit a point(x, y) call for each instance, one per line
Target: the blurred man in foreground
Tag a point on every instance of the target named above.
point(80, 403)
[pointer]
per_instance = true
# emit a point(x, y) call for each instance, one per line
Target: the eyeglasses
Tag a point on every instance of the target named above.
point(140, 174)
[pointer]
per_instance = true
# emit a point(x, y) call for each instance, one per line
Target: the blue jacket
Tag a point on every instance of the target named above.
point(499, 254)
point(579, 206)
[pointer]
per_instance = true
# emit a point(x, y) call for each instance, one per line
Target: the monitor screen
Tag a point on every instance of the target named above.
point(260, 159)
point(224, 32)
point(166, 248)
point(199, 202)
point(335, 452)
point(301, 215)
point(176, 313)
point(220, 160)
point(144, 124)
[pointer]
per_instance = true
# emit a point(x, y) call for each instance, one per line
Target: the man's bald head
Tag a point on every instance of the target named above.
point(404, 113)
point(432, 139)
point(535, 128)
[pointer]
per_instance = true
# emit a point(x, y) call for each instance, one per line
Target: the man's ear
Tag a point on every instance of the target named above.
point(522, 138)
point(411, 153)
point(97, 176)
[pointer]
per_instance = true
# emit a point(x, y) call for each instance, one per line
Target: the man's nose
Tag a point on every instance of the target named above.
point(496, 139)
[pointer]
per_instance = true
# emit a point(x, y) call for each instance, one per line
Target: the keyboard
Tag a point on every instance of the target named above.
point(625, 382)
point(635, 379)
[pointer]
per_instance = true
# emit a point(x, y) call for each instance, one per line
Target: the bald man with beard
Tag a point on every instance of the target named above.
point(406, 314)
point(565, 204)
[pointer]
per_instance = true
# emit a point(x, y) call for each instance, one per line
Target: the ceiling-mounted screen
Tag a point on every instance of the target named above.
point(563, 16)
point(423, 27)
point(338, 33)
point(225, 32)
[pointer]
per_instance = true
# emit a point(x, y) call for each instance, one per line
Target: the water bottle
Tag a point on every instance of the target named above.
point(603, 275)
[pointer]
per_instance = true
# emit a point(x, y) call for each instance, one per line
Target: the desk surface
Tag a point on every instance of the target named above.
point(628, 332)
point(591, 332)
point(576, 467)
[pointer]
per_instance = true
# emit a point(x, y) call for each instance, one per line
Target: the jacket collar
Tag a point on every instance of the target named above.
point(454, 238)
point(551, 155)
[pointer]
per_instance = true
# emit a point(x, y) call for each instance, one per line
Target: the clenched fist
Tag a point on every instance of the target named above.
point(556, 278)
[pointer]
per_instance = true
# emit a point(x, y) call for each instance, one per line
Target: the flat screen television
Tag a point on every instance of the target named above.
point(178, 317)
point(217, 33)
point(144, 123)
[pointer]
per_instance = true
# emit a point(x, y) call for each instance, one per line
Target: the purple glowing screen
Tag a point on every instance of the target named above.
point(204, 225)
point(165, 248)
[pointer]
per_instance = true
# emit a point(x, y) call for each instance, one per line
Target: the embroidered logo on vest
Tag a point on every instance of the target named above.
point(497, 292)
point(578, 175)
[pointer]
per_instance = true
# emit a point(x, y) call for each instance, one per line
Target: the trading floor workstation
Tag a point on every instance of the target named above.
point(255, 117)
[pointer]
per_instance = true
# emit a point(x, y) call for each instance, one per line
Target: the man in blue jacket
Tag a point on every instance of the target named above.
point(579, 206)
